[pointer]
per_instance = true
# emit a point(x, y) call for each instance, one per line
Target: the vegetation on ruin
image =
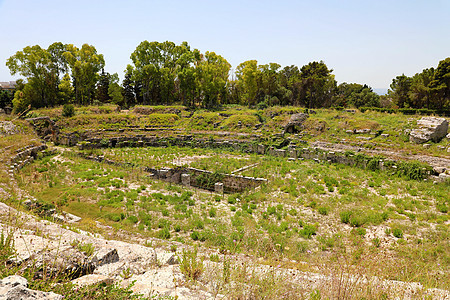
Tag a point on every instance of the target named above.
point(310, 216)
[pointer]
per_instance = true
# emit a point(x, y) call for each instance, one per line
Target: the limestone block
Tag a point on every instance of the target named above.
point(15, 287)
point(430, 128)
point(280, 152)
point(261, 149)
point(186, 179)
point(218, 187)
point(293, 154)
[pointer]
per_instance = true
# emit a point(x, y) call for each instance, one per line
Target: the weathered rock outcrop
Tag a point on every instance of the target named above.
point(295, 123)
point(7, 128)
point(154, 272)
point(430, 129)
point(45, 128)
point(16, 288)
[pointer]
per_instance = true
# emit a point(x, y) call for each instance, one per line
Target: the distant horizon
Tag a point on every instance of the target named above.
point(380, 91)
point(363, 42)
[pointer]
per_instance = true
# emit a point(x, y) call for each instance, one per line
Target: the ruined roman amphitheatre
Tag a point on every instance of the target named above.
point(164, 202)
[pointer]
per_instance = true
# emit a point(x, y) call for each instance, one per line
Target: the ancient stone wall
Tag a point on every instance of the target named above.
point(25, 156)
point(231, 183)
point(292, 153)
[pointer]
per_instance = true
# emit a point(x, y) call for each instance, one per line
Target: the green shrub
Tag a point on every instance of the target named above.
point(293, 212)
point(132, 219)
point(397, 232)
point(68, 110)
point(195, 235)
point(164, 233)
point(360, 231)
point(323, 210)
point(442, 208)
point(307, 231)
point(413, 170)
point(86, 248)
point(345, 216)
point(376, 242)
point(190, 266)
point(114, 217)
point(212, 212)
point(357, 220)
point(207, 180)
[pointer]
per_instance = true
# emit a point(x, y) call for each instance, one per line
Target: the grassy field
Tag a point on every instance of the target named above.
point(310, 216)
point(307, 211)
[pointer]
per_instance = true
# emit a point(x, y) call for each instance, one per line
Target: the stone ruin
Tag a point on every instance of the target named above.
point(295, 123)
point(430, 129)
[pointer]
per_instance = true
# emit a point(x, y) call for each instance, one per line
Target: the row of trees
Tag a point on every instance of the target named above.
point(47, 72)
point(428, 89)
point(166, 73)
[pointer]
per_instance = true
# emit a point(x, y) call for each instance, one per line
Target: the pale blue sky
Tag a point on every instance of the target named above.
point(364, 41)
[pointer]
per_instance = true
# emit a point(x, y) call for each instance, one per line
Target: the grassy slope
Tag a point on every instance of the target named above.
point(299, 215)
point(272, 120)
point(309, 212)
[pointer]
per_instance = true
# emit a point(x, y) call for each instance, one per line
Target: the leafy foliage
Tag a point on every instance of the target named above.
point(68, 110)
point(190, 265)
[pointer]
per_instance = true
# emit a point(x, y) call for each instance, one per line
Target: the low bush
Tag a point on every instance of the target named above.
point(323, 210)
point(307, 231)
point(345, 216)
point(68, 110)
point(397, 232)
point(164, 233)
point(190, 265)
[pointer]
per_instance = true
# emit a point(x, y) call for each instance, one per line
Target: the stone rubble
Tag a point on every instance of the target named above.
point(8, 128)
point(16, 288)
point(154, 271)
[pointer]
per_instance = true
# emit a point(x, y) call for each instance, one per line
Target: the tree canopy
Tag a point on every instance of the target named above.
point(167, 73)
point(428, 89)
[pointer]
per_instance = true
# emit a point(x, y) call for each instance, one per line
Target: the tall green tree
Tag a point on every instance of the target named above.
point(129, 96)
point(103, 86)
point(115, 91)
point(420, 92)
point(85, 64)
point(441, 85)
point(289, 78)
point(400, 90)
point(247, 81)
point(6, 97)
point(355, 95)
point(213, 78)
point(66, 90)
point(188, 76)
point(42, 68)
point(156, 66)
point(318, 84)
